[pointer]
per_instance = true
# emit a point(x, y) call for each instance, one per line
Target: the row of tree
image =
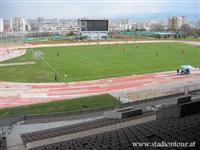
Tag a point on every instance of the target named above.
point(175, 36)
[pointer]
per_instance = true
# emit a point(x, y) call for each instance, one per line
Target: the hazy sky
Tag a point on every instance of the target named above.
point(70, 9)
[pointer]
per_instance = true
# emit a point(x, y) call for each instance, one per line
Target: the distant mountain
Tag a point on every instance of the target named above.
point(160, 16)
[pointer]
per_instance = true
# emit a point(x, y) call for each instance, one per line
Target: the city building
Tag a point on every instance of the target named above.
point(198, 24)
point(176, 22)
point(40, 23)
point(10, 26)
point(1, 25)
point(19, 24)
point(94, 29)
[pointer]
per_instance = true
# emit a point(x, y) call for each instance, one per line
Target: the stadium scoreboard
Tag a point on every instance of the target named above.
point(93, 25)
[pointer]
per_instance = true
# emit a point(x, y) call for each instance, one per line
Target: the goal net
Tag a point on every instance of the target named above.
point(37, 55)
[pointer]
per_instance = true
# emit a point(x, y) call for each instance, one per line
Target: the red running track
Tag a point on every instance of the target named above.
point(16, 94)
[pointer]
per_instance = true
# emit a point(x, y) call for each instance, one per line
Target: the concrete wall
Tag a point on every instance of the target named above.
point(182, 110)
point(172, 111)
point(123, 113)
point(184, 99)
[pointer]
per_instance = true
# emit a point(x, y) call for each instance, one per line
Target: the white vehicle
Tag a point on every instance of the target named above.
point(158, 106)
point(151, 108)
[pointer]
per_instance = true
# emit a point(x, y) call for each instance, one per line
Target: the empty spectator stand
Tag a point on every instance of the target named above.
point(75, 128)
point(186, 129)
point(183, 129)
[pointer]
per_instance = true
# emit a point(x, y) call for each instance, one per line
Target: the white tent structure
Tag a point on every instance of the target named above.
point(187, 67)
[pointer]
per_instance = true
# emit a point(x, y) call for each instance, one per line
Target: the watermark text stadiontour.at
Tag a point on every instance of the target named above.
point(163, 144)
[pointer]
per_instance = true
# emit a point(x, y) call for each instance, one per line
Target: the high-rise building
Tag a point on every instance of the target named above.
point(20, 25)
point(176, 22)
point(1, 25)
point(40, 23)
point(198, 24)
point(181, 20)
point(28, 26)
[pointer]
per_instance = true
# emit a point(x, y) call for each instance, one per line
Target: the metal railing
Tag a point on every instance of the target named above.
point(162, 92)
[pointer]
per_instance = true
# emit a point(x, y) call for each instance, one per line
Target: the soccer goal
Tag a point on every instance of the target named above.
point(37, 55)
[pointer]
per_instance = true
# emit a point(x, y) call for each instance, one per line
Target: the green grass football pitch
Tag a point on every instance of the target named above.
point(100, 61)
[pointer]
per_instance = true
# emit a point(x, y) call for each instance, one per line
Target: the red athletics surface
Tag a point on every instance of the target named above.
point(16, 94)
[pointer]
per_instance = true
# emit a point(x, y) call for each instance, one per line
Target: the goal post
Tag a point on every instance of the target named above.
point(37, 55)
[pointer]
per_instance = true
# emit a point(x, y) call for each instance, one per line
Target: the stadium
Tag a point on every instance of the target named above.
point(100, 95)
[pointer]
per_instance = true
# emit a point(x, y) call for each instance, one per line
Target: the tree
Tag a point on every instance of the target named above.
point(83, 37)
point(179, 35)
point(175, 36)
point(157, 36)
point(71, 33)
